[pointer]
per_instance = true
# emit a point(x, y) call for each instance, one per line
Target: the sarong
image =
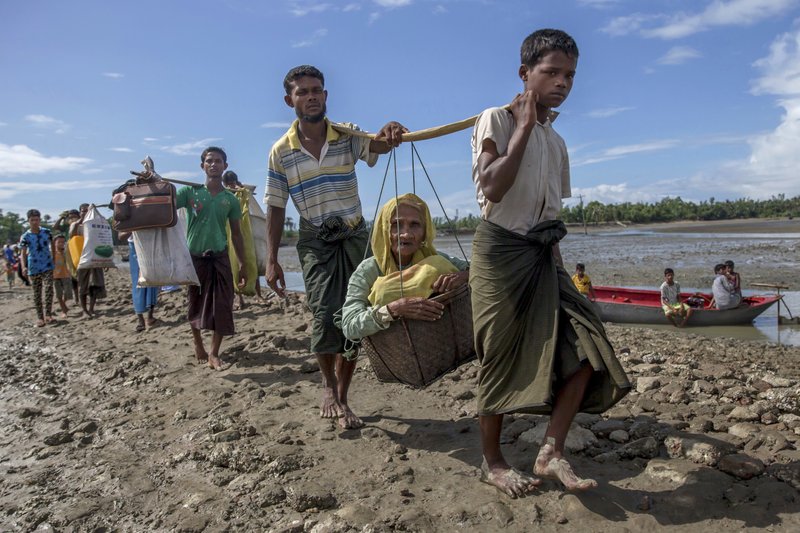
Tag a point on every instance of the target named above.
point(329, 255)
point(211, 304)
point(92, 282)
point(533, 329)
point(143, 297)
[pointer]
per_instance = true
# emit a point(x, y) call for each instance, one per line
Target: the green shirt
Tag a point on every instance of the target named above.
point(208, 217)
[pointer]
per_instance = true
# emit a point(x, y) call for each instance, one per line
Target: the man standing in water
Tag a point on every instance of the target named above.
point(315, 165)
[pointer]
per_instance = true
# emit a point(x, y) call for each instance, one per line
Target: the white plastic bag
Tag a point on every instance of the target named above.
point(258, 223)
point(164, 257)
point(98, 243)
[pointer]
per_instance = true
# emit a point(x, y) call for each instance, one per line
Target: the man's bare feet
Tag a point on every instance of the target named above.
point(549, 466)
point(348, 419)
point(40, 324)
point(508, 480)
point(329, 406)
point(49, 319)
point(63, 315)
point(200, 353)
point(151, 322)
point(216, 363)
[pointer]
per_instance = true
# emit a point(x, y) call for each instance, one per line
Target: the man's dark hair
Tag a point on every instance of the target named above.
point(669, 271)
point(729, 263)
point(74, 213)
point(34, 213)
point(580, 266)
point(82, 206)
point(299, 72)
point(216, 149)
point(230, 177)
point(718, 267)
point(540, 42)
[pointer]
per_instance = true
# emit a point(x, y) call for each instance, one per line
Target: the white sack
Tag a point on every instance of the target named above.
point(164, 257)
point(98, 243)
point(258, 224)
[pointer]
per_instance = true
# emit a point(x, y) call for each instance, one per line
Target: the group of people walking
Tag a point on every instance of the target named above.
point(541, 346)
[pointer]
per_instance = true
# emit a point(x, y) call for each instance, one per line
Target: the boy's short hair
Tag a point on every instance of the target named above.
point(669, 271)
point(74, 213)
point(580, 266)
point(230, 177)
point(82, 206)
point(58, 236)
point(729, 263)
point(216, 149)
point(542, 41)
point(299, 72)
point(33, 213)
point(718, 267)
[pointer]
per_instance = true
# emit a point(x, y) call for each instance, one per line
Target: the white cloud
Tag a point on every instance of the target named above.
point(3, 124)
point(393, 3)
point(19, 159)
point(618, 152)
point(150, 139)
point(276, 125)
point(48, 123)
point(351, 7)
point(598, 4)
point(608, 112)
point(121, 149)
point(678, 55)
point(439, 9)
point(9, 189)
point(373, 17)
point(614, 193)
point(717, 13)
point(303, 9)
point(315, 37)
point(113, 75)
point(191, 148)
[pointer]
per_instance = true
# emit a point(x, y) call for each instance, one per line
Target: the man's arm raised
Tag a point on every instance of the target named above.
point(274, 274)
point(390, 136)
point(497, 172)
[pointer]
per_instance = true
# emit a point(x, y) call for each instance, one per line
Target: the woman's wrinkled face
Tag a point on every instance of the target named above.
point(407, 233)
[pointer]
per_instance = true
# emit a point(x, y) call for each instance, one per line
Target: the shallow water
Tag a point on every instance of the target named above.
point(636, 258)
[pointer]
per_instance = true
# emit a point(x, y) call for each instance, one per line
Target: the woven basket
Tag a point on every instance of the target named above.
point(417, 352)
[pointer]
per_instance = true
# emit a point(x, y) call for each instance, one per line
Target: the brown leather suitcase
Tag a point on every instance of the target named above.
point(147, 204)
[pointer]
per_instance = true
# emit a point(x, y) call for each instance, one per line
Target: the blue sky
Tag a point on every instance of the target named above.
point(672, 98)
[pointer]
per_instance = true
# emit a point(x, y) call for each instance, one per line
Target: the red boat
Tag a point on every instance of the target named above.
point(643, 306)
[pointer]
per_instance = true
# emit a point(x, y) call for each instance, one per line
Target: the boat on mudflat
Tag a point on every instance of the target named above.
point(643, 306)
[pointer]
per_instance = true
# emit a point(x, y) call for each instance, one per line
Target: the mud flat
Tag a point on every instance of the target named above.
point(106, 429)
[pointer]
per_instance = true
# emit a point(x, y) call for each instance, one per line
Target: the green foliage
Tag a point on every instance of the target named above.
point(11, 227)
point(673, 209)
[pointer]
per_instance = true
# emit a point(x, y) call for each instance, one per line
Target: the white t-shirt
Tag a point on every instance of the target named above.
point(543, 176)
point(671, 292)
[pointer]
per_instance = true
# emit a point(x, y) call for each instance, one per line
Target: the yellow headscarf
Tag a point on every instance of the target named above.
point(426, 265)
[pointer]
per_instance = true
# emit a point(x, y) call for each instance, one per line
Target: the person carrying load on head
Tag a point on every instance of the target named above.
point(541, 345)
point(404, 272)
point(315, 165)
point(210, 208)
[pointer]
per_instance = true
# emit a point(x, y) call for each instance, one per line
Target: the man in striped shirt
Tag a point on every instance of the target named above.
point(315, 165)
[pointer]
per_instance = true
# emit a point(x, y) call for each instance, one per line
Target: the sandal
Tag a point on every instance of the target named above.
point(139, 327)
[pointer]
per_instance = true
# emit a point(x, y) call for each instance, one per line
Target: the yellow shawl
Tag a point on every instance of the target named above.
point(426, 265)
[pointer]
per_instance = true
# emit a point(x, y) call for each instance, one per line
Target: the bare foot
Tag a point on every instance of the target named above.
point(151, 322)
point(508, 480)
point(329, 406)
point(200, 353)
point(49, 319)
point(549, 466)
point(348, 419)
point(63, 315)
point(216, 363)
point(40, 324)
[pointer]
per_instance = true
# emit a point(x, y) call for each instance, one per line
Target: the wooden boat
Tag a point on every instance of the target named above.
point(643, 306)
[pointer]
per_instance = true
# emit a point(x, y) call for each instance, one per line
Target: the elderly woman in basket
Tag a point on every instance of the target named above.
point(402, 244)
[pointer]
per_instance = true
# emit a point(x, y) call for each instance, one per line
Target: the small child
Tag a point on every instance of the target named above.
point(671, 300)
point(37, 263)
point(62, 280)
point(734, 278)
point(10, 268)
point(583, 282)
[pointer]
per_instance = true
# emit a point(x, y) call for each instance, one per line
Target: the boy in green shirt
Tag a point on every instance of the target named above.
point(210, 208)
